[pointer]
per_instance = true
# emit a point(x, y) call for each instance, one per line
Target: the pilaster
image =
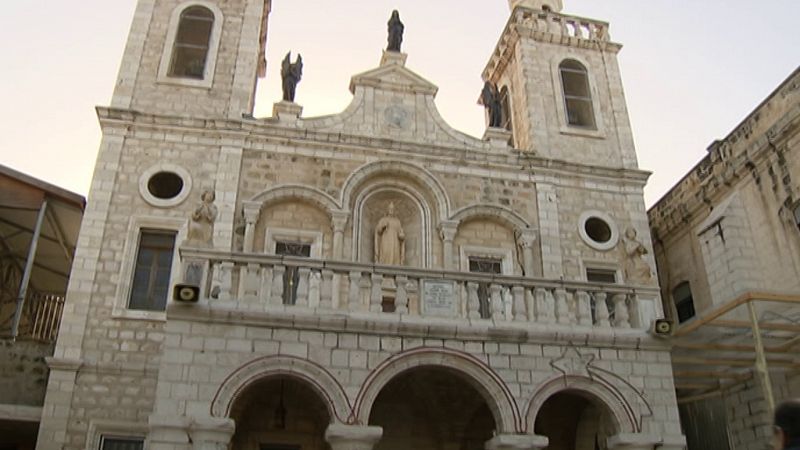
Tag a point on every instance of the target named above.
point(447, 232)
point(251, 213)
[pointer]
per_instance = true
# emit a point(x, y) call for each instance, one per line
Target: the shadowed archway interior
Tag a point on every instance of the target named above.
point(573, 420)
point(431, 409)
point(280, 413)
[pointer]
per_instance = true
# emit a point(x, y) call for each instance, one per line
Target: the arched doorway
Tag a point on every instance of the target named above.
point(431, 408)
point(574, 420)
point(280, 413)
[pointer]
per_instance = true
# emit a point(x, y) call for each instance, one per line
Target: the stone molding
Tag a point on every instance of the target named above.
point(490, 211)
point(477, 373)
point(313, 375)
point(352, 437)
point(517, 442)
point(633, 441)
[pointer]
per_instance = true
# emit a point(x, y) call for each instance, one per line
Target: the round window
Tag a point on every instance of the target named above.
point(598, 230)
point(165, 185)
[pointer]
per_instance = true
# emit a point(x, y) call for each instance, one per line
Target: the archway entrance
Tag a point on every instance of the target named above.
point(280, 413)
point(431, 409)
point(573, 420)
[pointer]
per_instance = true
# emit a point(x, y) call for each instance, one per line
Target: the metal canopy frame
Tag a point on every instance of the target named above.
point(715, 352)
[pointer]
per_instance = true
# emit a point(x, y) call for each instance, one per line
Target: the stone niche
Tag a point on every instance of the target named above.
point(410, 213)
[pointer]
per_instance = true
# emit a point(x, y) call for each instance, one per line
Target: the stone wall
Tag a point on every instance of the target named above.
point(23, 372)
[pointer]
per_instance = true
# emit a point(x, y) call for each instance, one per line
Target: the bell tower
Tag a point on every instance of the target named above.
point(196, 58)
point(565, 96)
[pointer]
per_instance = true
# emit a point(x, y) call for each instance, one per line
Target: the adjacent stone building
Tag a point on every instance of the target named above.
point(370, 279)
point(727, 242)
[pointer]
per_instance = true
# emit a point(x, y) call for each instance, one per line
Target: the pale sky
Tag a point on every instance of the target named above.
point(692, 70)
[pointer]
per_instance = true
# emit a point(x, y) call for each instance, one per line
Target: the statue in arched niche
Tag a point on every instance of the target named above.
point(390, 239)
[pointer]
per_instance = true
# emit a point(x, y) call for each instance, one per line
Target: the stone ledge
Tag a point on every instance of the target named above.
point(20, 413)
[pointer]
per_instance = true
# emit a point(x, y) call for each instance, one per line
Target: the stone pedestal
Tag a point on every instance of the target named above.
point(630, 441)
point(497, 137)
point(288, 112)
point(352, 437)
point(517, 442)
point(390, 58)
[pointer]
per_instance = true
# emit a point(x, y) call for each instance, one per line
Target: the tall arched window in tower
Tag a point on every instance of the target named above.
point(505, 101)
point(577, 94)
point(192, 43)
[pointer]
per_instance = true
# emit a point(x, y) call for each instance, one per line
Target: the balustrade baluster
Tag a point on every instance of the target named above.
point(498, 312)
point(621, 317)
point(376, 293)
point(314, 281)
point(545, 308)
point(633, 312)
point(303, 273)
point(520, 312)
point(249, 281)
point(223, 279)
point(354, 293)
point(277, 285)
point(601, 310)
point(401, 296)
point(326, 290)
point(583, 308)
point(562, 308)
point(473, 303)
point(265, 291)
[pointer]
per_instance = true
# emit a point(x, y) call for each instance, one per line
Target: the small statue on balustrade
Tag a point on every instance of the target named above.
point(390, 239)
point(396, 29)
point(635, 267)
point(490, 99)
point(291, 73)
point(201, 227)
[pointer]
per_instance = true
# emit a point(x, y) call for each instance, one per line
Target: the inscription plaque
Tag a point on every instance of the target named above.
point(438, 298)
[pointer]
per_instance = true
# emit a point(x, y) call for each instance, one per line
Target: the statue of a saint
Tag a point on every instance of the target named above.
point(634, 264)
point(291, 74)
point(396, 29)
point(490, 99)
point(201, 227)
point(390, 239)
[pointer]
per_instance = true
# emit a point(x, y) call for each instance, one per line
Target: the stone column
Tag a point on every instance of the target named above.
point(338, 223)
point(526, 239)
point(169, 433)
point(211, 433)
point(352, 437)
point(631, 441)
point(251, 213)
point(447, 231)
point(517, 442)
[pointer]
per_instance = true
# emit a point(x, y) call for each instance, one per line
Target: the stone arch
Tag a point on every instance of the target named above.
point(313, 375)
point(505, 215)
point(625, 418)
point(295, 191)
point(416, 173)
point(494, 391)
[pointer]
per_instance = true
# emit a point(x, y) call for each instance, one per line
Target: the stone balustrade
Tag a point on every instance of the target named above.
point(562, 25)
point(262, 282)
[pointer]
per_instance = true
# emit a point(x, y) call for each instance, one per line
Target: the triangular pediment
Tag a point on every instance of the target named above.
point(394, 77)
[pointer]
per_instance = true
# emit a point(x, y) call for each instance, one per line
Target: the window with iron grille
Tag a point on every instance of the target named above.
point(485, 265)
point(192, 42)
point(121, 443)
point(577, 94)
point(151, 275)
point(291, 278)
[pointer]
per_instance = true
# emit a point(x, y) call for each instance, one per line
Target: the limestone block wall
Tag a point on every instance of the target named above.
point(205, 364)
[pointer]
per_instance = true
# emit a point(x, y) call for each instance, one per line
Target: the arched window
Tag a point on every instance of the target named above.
point(577, 94)
point(192, 43)
point(684, 302)
point(505, 102)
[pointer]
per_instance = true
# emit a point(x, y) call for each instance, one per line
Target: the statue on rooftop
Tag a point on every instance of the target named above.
point(396, 29)
point(291, 74)
point(490, 99)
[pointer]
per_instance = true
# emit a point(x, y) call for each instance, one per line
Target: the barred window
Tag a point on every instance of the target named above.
point(192, 42)
point(577, 94)
point(151, 274)
point(121, 443)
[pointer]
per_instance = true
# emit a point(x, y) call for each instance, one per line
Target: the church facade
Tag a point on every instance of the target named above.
point(370, 279)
